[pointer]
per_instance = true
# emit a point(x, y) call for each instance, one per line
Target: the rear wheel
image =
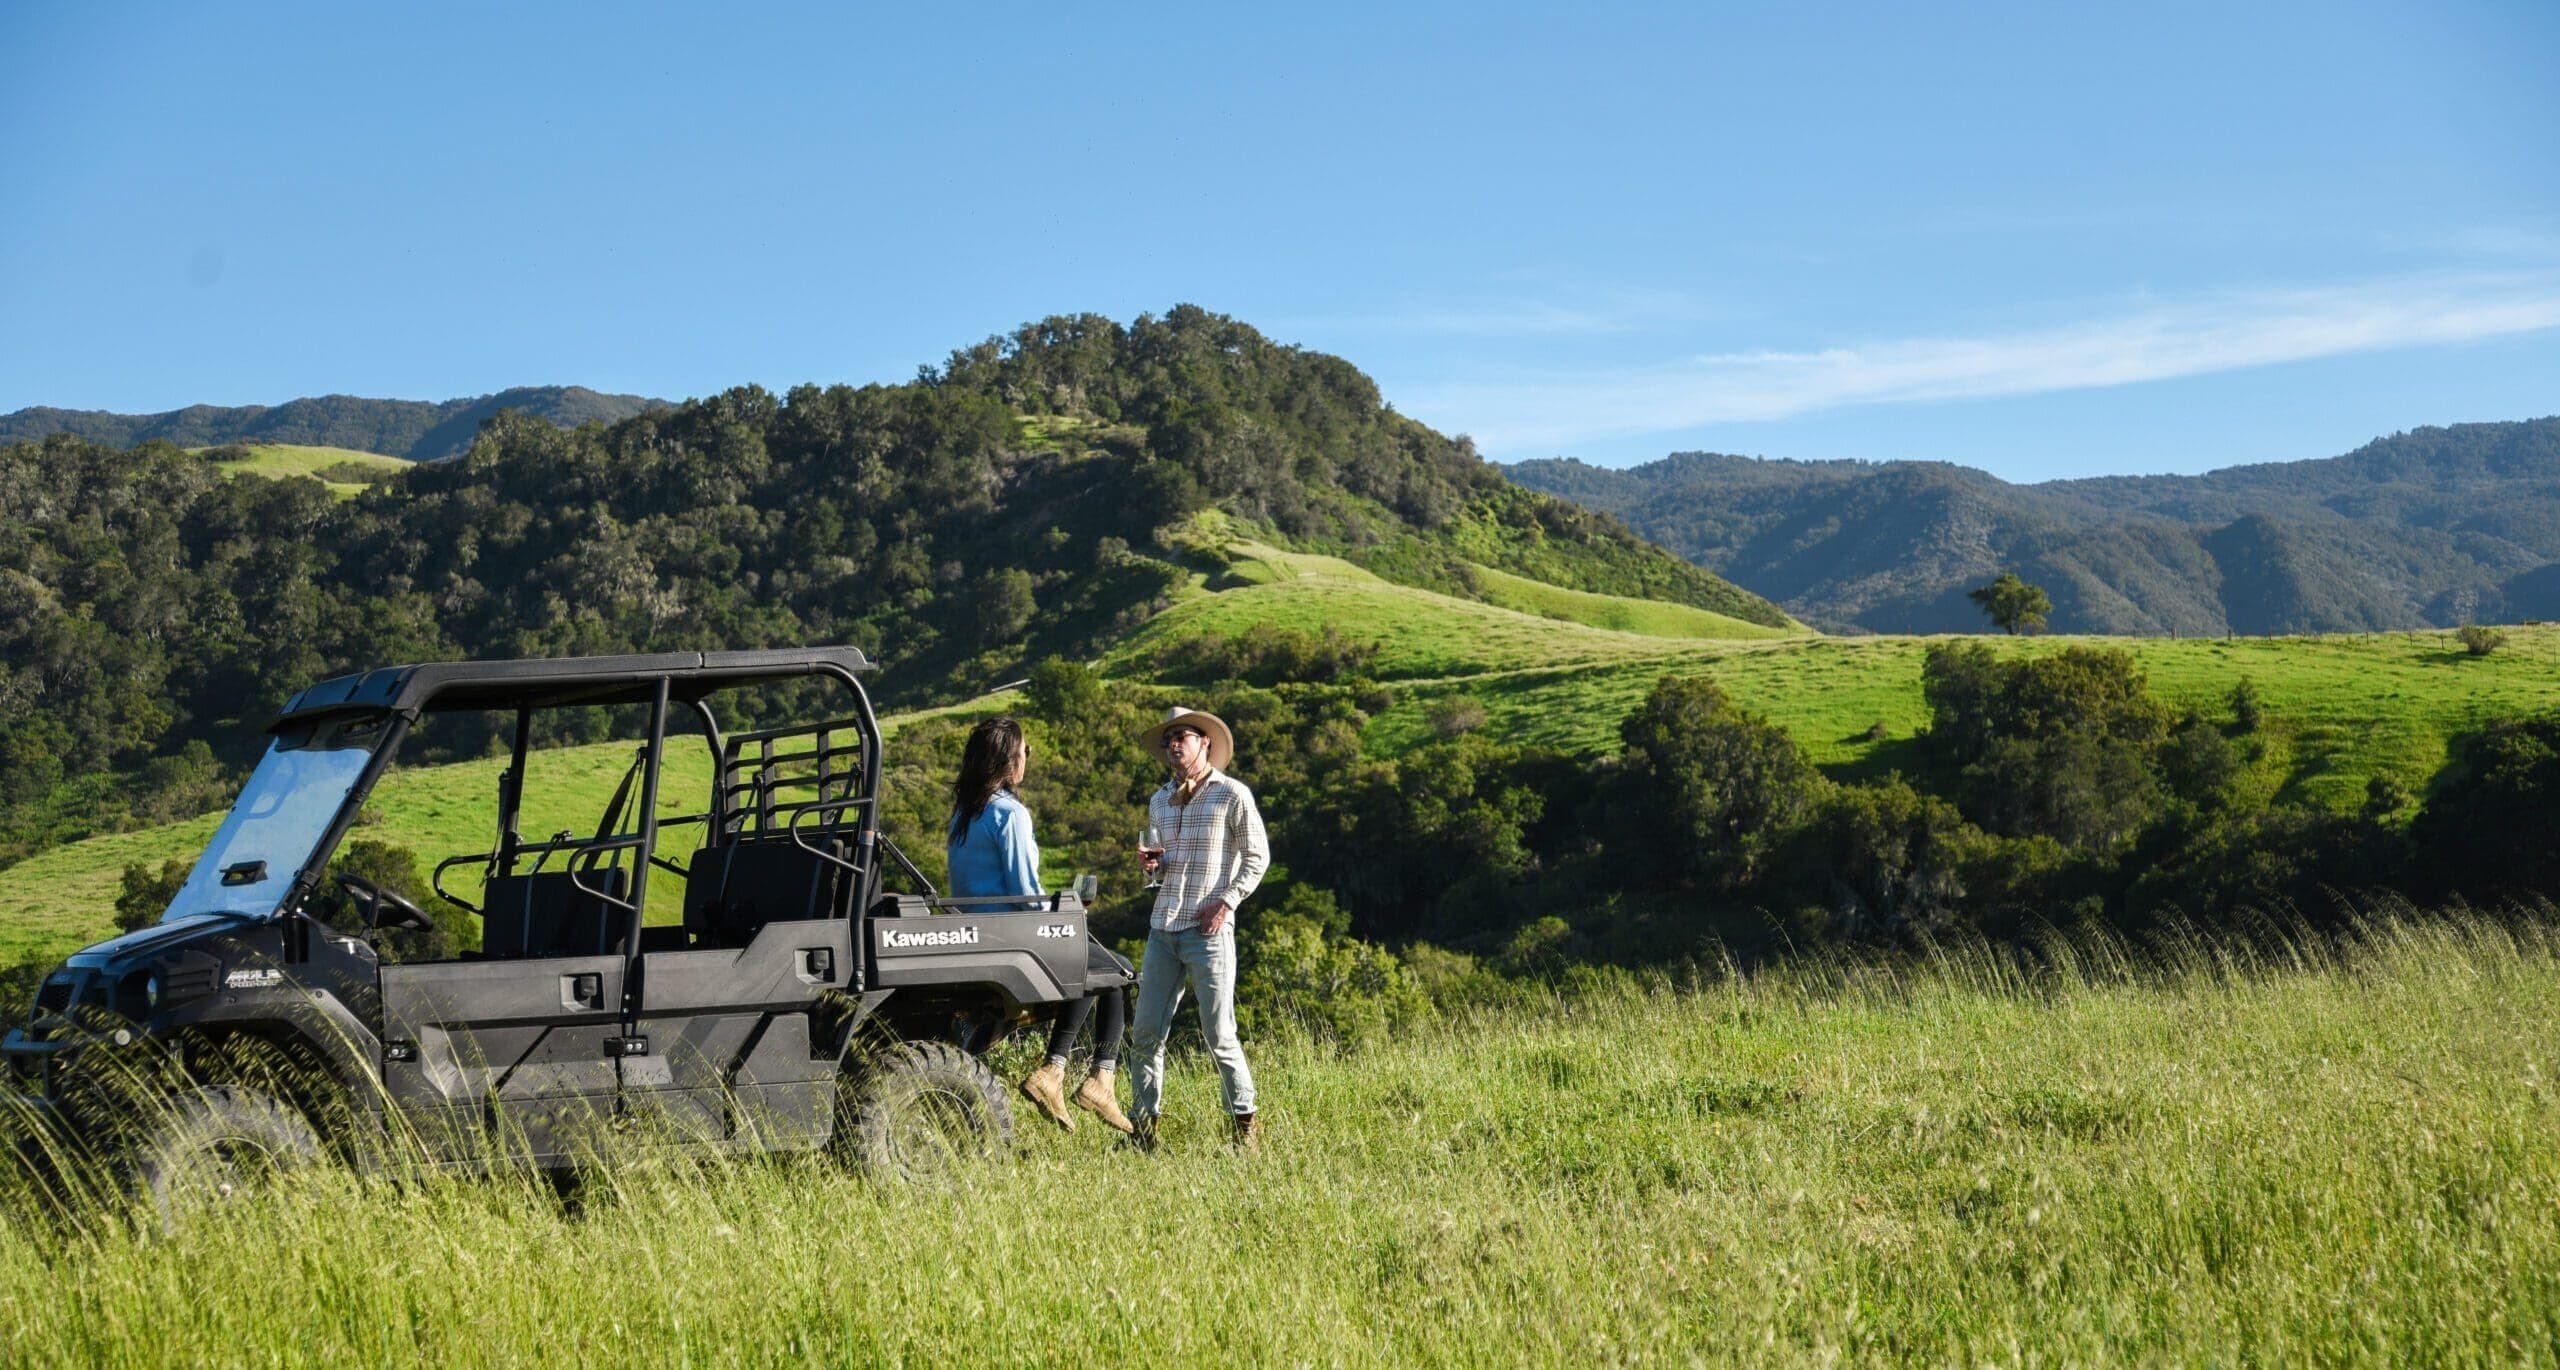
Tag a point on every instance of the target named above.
point(921, 1110)
point(216, 1146)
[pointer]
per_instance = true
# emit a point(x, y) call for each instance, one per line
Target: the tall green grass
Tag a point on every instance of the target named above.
point(2307, 1155)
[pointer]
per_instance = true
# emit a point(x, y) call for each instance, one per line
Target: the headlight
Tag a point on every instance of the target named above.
point(151, 993)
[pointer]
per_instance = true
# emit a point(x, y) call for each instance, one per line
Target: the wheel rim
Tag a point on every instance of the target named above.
point(223, 1171)
point(937, 1126)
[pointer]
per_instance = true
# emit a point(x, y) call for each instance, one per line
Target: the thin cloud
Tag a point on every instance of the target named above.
point(2156, 343)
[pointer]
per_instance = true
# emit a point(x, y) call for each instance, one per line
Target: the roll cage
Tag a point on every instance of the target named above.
point(812, 787)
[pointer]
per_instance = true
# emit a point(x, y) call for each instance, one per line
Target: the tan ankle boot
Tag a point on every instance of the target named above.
point(1047, 1088)
point(1244, 1132)
point(1098, 1096)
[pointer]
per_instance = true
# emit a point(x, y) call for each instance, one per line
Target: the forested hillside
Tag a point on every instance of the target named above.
point(1022, 501)
point(415, 429)
point(2433, 527)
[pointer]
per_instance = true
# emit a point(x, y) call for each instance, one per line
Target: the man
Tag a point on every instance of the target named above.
point(1214, 855)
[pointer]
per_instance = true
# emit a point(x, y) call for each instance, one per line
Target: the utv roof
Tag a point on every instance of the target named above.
point(441, 685)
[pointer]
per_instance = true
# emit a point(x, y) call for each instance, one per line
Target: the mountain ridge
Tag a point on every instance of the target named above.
point(418, 430)
point(2424, 528)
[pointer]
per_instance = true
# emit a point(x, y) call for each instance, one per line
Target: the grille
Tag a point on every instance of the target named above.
point(55, 995)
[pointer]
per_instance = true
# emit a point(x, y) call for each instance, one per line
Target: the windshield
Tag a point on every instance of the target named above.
point(279, 818)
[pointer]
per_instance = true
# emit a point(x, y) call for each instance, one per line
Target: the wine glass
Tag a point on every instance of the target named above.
point(1151, 852)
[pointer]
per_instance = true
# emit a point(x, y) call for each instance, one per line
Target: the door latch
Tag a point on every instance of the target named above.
point(584, 990)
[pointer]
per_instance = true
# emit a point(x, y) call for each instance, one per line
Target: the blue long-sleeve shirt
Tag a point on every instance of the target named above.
point(996, 854)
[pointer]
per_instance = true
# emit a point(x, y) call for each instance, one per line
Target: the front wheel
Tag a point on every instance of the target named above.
point(215, 1146)
point(919, 1110)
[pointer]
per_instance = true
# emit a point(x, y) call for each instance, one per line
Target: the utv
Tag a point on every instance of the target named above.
point(796, 1003)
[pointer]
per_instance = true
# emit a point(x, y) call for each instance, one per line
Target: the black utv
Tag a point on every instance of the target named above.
point(789, 998)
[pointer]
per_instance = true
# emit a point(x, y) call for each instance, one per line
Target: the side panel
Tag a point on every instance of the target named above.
point(509, 1056)
point(730, 1054)
point(1034, 958)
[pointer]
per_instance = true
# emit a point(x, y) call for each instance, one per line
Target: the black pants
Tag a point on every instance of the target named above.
point(1106, 1033)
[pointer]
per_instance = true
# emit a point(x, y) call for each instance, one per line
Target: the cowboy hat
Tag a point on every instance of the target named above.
point(1222, 743)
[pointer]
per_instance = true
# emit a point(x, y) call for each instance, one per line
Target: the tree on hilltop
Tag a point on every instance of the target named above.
point(2013, 604)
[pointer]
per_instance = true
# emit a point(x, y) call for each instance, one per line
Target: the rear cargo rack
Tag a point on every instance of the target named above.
point(786, 781)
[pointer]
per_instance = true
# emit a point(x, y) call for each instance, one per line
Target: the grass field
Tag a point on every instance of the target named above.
point(2343, 708)
point(2302, 1158)
point(1648, 617)
point(278, 460)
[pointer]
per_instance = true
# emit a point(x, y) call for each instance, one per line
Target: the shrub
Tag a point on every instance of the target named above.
point(1265, 655)
point(1447, 825)
point(145, 894)
point(1883, 859)
point(2200, 764)
point(2479, 641)
point(1457, 982)
point(2280, 862)
point(2246, 711)
point(18, 989)
point(1455, 717)
point(2058, 746)
point(1338, 989)
point(1541, 948)
point(2489, 816)
point(1724, 783)
point(356, 473)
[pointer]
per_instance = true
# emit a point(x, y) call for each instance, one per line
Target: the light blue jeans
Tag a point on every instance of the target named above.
point(1208, 966)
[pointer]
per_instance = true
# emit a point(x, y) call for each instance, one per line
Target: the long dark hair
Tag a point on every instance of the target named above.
point(986, 765)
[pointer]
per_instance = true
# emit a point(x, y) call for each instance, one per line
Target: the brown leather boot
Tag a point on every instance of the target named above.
point(1047, 1089)
point(1244, 1132)
point(1098, 1097)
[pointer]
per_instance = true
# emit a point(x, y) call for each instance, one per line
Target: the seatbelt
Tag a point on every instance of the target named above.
point(622, 792)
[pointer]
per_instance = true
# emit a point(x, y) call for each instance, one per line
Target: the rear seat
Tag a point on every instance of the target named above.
point(546, 914)
point(734, 890)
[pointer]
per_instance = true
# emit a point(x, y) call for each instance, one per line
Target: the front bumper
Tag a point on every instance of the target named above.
point(30, 1062)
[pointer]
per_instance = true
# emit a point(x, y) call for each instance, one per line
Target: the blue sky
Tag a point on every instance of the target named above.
point(2043, 239)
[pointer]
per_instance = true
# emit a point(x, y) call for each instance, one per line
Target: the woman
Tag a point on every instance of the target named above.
point(992, 853)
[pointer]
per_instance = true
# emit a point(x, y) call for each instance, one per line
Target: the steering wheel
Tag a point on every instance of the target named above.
point(373, 899)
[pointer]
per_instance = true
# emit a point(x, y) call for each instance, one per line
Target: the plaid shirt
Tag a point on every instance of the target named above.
point(1214, 848)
